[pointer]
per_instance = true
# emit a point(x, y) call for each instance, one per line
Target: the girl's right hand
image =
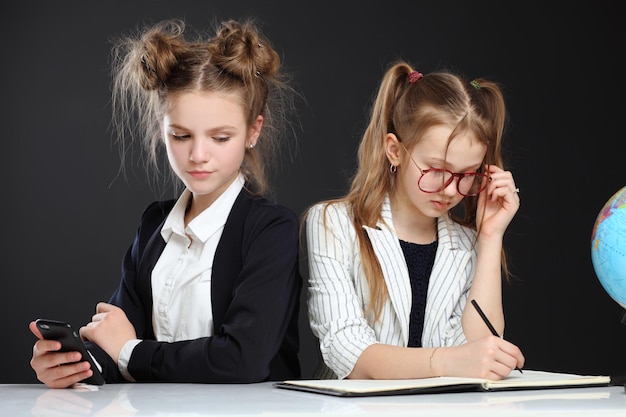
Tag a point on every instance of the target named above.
point(53, 368)
point(489, 357)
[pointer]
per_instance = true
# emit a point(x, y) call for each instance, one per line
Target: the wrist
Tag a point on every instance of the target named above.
point(433, 363)
point(490, 240)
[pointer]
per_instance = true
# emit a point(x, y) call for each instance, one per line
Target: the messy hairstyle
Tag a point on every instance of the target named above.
point(151, 67)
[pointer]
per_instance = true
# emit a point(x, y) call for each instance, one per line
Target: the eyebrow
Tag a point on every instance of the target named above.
point(211, 130)
point(443, 163)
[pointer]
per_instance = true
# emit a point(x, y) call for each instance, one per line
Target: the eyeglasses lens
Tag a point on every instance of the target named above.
point(467, 184)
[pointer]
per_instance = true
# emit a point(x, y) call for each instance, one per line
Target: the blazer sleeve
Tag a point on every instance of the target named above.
point(255, 292)
point(133, 294)
point(336, 312)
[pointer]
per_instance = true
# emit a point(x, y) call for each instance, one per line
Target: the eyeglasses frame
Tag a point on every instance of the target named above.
point(453, 175)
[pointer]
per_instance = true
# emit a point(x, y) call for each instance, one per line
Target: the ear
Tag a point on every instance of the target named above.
point(392, 149)
point(255, 131)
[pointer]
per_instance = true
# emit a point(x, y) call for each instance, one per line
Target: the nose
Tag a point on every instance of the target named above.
point(451, 189)
point(198, 152)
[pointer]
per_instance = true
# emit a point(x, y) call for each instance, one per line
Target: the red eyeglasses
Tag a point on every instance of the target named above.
point(434, 180)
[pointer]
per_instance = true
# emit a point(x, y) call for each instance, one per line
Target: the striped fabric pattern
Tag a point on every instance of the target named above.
point(338, 292)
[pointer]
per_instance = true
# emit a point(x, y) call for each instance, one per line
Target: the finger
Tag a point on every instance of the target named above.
point(503, 189)
point(500, 371)
point(493, 169)
point(67, 369)
point(60, 359)
point(43, 346)
point(103, 307)
point(85, 331)
point(499, 175)
point(35, 330)
point(517, 359)
point(46, 361)
point(499, 191)
point(508, 363)
point(504, 179)
point(67, 375)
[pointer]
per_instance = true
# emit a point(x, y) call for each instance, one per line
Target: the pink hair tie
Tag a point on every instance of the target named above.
point(414, 76)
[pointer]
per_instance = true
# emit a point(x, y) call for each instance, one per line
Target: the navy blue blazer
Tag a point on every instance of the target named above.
point(255, 296)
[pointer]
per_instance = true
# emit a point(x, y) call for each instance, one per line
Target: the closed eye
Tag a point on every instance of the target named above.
point(182, 136)
point(221, 139)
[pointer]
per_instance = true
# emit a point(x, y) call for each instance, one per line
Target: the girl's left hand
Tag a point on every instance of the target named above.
point(109, 328)
point(498, 203)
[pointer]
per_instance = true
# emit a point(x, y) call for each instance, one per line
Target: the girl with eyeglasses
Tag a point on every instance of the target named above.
point(391, 265)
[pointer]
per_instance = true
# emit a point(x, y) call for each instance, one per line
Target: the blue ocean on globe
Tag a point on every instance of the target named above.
point(608, 247)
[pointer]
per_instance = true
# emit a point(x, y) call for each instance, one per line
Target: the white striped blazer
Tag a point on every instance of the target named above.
point(338, 293)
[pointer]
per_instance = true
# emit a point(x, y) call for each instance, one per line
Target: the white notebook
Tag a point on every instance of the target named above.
point(530, 379)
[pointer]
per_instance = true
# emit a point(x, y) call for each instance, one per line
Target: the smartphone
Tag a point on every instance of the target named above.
point(70, 342)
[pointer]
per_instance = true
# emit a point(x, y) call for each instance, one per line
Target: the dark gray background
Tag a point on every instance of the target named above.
point(67, 217)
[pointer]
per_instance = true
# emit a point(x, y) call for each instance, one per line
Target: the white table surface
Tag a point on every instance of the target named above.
point(263, 399)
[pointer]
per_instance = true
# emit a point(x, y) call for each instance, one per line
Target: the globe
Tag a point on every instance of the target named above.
point(608, 247)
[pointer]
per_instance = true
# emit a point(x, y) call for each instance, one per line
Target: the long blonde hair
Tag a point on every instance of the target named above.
point(408, 110)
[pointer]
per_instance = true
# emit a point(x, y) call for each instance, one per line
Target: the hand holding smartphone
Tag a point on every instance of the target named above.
point(70, 342)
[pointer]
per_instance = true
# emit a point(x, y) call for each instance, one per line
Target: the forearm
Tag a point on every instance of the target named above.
point(381, 361)
point(486, 289)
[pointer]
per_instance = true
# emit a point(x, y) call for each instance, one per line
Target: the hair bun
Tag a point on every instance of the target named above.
point(240, 50)
point(161, 47)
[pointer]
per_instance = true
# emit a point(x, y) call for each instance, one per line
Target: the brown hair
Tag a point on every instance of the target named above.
point(152, 66)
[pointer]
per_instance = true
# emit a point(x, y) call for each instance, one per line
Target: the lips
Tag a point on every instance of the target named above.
point(441, 205)
point(199, 174)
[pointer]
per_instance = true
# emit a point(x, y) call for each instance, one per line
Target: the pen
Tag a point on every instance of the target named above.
point(488, 323)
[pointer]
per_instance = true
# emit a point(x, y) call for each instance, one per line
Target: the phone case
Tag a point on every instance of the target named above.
point(70, 342)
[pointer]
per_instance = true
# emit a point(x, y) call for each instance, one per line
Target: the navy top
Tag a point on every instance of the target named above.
point(419, 260)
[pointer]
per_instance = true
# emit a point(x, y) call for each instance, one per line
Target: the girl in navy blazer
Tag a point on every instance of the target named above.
point(210, 287)
point(391, 266)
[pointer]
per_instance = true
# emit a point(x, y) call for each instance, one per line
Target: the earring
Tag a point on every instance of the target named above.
point(251, 145)
point(393, 168)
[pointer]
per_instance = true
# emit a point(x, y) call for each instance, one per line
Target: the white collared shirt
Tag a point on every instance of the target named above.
point(181, 278)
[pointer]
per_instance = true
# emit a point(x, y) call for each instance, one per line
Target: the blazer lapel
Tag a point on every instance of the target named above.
point(446, 285)
point(389, 253)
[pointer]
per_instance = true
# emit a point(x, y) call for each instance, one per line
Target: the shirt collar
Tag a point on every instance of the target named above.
point(207, 222)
